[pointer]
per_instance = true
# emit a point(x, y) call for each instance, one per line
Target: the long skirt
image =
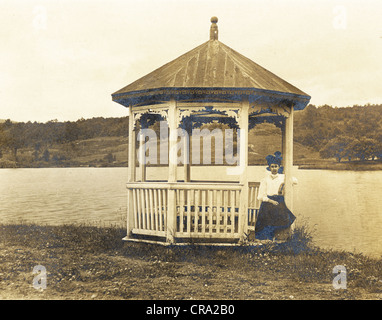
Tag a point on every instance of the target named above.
point(272, 218)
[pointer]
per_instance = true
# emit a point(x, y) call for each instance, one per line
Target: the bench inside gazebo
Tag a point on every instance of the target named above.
point(209, 84)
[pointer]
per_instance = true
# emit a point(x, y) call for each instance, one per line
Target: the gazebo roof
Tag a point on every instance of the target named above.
point(212, 65)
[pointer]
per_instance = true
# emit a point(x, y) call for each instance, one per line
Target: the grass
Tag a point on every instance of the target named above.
point(87, 262)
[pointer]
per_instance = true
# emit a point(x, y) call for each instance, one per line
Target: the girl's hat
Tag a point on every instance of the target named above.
point(276, 158)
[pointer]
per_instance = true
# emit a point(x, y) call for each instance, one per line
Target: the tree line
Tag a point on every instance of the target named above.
point(40, 137)
point(351, 133)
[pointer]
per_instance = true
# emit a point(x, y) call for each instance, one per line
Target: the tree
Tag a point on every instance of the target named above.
point(312, 140)
point(3, 140)
point(365, 148)
point(16, 138)
point(36, 152)
point(71, 131)
point(110, 158)
point(378, 152)
point(46, 155)
point(338, 148)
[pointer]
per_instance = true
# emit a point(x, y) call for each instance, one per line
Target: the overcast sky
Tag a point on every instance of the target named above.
point(62, 59)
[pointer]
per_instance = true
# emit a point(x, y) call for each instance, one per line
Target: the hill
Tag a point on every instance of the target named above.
point(322, 136)
point(113, 152)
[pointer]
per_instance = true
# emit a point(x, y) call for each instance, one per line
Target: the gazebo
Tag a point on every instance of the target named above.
point(211, 83)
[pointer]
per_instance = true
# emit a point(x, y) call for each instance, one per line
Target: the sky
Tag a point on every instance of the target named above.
point(62, 59)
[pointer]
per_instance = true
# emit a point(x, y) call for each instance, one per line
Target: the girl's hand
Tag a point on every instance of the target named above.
point(273, 202)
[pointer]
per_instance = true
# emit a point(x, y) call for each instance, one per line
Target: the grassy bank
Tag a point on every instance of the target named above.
point(84, 262)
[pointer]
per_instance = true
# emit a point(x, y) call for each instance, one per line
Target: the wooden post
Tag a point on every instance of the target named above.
point(131, 173)
point(132, 152)
point(288, 162)
point(243, 210)
point(283, 144)
point(142, 155)
point(186, 155)
point(173, 137)
point(172, 170)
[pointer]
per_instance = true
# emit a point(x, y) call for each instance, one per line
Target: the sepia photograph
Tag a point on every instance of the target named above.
point(186, 156)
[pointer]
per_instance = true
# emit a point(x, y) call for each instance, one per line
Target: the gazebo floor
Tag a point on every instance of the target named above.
point(218, 242)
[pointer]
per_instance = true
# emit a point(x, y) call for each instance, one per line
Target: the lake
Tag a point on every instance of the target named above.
point(343, 208)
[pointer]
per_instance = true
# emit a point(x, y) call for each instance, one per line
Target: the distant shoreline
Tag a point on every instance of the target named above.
point(350, 166)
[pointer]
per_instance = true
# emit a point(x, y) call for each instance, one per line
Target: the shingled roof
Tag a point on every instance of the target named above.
point(213, 65)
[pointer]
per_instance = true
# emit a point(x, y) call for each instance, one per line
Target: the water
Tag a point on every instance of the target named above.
point(343, 207)
point(64, 195)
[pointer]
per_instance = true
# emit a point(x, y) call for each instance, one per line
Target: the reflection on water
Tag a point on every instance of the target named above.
point(343, 207)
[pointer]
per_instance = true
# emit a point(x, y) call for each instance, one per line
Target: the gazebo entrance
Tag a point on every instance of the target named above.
point(209, 83)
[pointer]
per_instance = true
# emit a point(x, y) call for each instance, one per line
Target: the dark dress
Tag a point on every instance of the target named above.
point(272, 218)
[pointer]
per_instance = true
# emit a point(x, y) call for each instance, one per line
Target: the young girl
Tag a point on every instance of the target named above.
point(273, 213)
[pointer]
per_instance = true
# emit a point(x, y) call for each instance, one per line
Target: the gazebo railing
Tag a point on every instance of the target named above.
point(191, 210)
point(150, 207)
point(253, 204)
point(207, 211)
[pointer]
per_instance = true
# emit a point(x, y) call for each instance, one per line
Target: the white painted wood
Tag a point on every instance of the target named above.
point(156, 214)
point(142, 156)
point(161, 209)
point(172, 171)
point(210, 210)
point(150, 232)
point(151, 203)
point(225, 193)
point(186, 186)
point(130, 221)
point(144, 207)
point(165, 209)
point(232, 213)
point(181, 204)
point(289, 160)
point(186, 156)
point(196, 209)
point(201, 211)
point(132, 153)
point(188, 211)
point(283, 143)
point(243, 208)
point(173, 137)
point(139, 212)
point(135, 209)
point(203, 208)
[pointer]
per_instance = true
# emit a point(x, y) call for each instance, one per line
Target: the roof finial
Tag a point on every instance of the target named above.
point(214, 29)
